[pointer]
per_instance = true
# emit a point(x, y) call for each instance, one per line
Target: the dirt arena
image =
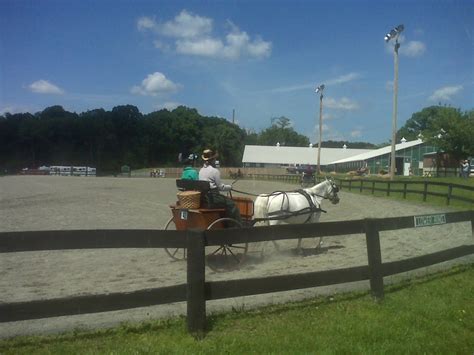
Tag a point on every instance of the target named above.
point(59, 203)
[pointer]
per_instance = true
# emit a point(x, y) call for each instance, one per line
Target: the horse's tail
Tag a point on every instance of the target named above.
point(260, 209)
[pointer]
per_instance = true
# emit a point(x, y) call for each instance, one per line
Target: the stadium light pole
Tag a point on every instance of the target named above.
point(394, 34)
point(320, 90)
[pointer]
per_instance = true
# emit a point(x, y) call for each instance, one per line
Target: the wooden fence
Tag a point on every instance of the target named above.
point(402, 186)
point(197, 290)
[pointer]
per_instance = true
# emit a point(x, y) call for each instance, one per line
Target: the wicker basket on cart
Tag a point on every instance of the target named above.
point(189, 199)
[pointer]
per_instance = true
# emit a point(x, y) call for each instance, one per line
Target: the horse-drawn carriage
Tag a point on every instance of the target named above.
point(300, 206)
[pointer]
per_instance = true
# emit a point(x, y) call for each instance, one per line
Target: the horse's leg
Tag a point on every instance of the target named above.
point(261, 212)
point(311, 244)
point(299, 249)
point(317, 241)
point(275, 243)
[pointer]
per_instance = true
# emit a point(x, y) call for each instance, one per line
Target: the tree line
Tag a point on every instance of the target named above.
point(108, 140)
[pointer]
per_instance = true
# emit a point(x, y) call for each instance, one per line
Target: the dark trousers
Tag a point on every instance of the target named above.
point(213, 199)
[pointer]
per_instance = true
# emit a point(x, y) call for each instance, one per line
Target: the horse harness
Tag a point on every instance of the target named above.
point(286, 213)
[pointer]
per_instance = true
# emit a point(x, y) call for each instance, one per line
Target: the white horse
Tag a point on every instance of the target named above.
point(301, 206)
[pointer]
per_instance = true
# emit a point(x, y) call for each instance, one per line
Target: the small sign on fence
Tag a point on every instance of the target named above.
point(430, 220)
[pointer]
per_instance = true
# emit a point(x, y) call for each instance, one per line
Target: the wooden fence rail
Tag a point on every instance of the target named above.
point(197, 291)
point(391, 186)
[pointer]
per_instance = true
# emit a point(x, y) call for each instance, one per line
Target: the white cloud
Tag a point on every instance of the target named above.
point(446, 93)
point(12, 109)
point(146, 23)
point(334, 81)
point(165, 47)
point(192, 35)
point(237, 44)
point(45, 87)
point(186, 25)
point(343, 79)
point(206, 47)
point(341, 104)
point(259, 48)
point(155, 84)
point(170, 106)
point(356, 133)
point(413, 49)
point(329, 133)
point(408, 49)
point(328, 116)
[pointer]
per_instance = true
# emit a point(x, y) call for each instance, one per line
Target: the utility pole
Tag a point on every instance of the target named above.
point(319, 90)
point(394, 34)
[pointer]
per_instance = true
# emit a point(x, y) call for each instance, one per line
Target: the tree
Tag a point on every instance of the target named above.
point(282, 132)
point(281, 122)
point(421, 121)
point(452, 132)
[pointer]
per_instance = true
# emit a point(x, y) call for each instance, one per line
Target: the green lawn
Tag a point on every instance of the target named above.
point(431, 315)
point(417, 197)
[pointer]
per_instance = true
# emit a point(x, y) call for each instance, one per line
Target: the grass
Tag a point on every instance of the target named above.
point(417, 197)
point(433, 314)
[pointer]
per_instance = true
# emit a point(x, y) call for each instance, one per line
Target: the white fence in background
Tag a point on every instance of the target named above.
point(72, 171)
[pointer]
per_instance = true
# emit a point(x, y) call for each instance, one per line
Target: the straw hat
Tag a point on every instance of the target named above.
point(208, 154)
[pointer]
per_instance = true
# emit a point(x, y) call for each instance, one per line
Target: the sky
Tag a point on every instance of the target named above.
point(261, 58)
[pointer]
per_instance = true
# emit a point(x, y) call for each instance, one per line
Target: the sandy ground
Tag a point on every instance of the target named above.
point(59, 203)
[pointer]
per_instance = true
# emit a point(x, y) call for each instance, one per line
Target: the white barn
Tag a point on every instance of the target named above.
point(281, 156)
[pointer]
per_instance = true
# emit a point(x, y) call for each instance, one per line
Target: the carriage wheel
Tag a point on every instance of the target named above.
point(309, 246)
point(226, 257)
point(177, 254)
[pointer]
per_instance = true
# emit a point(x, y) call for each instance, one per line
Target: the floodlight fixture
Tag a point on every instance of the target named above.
point(394, 33)
point(320, 89)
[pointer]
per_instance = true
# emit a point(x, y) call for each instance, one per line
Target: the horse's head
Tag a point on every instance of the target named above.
point(332, 191)
point(327, 189)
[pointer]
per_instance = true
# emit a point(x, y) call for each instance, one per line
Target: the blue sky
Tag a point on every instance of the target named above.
point(262, 58)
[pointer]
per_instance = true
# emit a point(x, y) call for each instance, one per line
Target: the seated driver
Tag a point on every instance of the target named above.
point(214, 199)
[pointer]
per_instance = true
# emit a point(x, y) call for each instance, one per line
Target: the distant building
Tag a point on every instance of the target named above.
point(258, 156)
point(409, 159)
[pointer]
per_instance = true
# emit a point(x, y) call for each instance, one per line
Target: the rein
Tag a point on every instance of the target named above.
point(275, 193)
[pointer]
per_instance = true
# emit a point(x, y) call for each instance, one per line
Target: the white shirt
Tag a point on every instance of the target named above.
point(211, 174)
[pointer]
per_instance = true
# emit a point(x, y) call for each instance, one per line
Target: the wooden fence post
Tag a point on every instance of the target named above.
point(375, 259)
point(361, 183)
point(450, 192)
point(472, 223)
point(425, 190)
point(404, 190)
point(388, 188)
point(196, 298)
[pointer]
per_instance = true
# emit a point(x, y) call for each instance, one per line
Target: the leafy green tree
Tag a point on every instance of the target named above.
point(421, 121)
point(446, 128)
point(353, 145)
point(281, 132)
point(452, 132)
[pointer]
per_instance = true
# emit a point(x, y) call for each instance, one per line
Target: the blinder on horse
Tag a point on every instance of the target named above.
point(334, 190)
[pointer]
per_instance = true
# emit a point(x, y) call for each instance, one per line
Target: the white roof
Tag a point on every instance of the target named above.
point(296, 155)
point(378, 152)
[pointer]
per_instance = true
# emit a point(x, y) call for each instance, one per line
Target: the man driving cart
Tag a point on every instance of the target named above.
point(214, 199)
